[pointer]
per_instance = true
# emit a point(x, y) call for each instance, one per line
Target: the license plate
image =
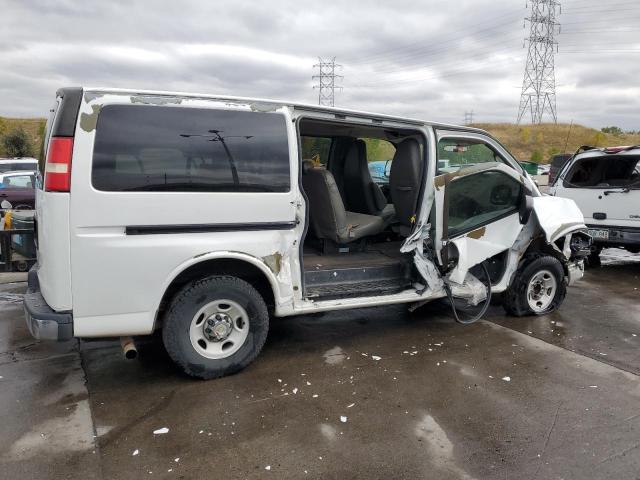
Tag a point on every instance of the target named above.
point(599, 234)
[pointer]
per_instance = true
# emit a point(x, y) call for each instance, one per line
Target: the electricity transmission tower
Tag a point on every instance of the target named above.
point(468, 117)
point(539, 85)
point(327, 81)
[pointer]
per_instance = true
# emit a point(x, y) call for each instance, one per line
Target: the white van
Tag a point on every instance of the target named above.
point(605, 184)
point(206, 216)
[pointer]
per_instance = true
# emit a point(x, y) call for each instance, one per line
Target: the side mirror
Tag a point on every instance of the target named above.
point(526, 207)
point(6, 205)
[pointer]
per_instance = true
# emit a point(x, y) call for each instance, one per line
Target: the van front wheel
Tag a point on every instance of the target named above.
point(215, 326)
point(537, 288)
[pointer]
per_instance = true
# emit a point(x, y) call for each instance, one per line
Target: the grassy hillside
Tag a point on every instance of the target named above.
point(540, 142)
point(526, 142)
point(33, 126)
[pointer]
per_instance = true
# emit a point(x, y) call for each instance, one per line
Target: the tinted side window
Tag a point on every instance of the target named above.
point(481, 198)
point(157, 148)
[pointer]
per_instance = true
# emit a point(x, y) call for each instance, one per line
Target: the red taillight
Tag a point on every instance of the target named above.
point(57, 171)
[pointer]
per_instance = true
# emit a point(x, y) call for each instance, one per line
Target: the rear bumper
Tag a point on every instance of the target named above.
point(618, 236)
point(44, 323)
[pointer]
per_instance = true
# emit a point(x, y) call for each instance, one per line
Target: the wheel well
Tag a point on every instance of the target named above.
point(540, 245)
point(220, 266)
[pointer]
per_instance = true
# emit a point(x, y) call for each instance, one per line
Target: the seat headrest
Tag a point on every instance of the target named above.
point(408, 148)
point(307, 165)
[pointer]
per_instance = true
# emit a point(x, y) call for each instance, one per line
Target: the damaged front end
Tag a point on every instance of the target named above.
point(491, 257)
point(565, 231)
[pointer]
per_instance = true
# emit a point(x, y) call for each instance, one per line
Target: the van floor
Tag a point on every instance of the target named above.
point(381, 270)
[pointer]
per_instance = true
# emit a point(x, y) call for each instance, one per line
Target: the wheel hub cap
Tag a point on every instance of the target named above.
point(218, 327)
point(541, 291)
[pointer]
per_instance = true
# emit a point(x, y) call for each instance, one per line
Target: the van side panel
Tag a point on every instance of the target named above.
point(135, 270)
point(54, 262)
point(127, 245)
point(52, 210)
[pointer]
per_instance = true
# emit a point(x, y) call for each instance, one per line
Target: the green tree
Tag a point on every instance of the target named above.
point(17, 144)
point(617, 131)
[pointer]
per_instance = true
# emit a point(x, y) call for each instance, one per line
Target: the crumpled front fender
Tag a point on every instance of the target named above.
point(557, 216)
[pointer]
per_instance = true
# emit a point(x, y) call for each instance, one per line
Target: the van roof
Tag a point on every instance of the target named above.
point(265, 102)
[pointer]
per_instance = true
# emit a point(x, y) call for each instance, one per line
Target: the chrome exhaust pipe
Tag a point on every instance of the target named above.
point(129, 349)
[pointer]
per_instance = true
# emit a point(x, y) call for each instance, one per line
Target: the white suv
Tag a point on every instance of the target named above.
point(206, 216)
point(605, 184)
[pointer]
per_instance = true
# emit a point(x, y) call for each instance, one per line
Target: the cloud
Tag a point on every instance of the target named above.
point(429, 59)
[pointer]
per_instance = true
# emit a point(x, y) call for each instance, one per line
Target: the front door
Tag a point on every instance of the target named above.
point(478, 196)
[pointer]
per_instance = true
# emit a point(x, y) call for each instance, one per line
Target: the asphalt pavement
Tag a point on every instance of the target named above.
point(373, 393)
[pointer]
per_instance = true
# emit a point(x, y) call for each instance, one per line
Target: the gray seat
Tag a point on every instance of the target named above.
point(361, 193)
point(405, 180)
point(328, 217)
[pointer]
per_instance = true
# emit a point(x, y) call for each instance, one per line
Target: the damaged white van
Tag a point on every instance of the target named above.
point(207, 216)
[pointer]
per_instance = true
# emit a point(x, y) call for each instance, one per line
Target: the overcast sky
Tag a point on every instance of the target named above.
point(428, 59)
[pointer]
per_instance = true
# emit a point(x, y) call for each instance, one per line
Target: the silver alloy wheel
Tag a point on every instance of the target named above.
point(541, 291)
point(219, 329)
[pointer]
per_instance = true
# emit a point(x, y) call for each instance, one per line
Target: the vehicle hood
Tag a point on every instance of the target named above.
point(557, 216)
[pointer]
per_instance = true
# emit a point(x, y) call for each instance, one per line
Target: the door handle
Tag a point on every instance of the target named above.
point(3, 195)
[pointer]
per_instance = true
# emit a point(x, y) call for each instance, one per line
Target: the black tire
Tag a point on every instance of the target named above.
point(514, 299)
point(185, 305)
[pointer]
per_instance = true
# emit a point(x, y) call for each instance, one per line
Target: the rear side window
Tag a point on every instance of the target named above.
point(157, 148)
point(17, 181)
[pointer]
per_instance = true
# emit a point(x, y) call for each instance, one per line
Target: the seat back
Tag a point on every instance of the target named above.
point(326, 209)
point(405, 180)
point(361, 193)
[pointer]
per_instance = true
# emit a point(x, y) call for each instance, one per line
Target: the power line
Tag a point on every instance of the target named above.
point(468, 117)
point(327, 81)
point(539, 83)
point(452, 36)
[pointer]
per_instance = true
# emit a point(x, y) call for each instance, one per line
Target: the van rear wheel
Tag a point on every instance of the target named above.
point(215, 326)
point(537, 288)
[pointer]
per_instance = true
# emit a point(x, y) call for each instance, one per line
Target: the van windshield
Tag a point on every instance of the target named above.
point(604, 171)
